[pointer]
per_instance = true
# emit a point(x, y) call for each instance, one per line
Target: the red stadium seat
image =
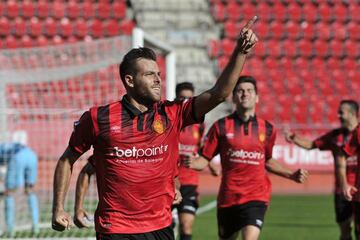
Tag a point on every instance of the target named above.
point(264, 11)
point(285, 63)
point(293, 30)
point(72, 9)
point(279, 11)
point(118, 10)
point(247, 10)
point(27, 9)
point(231, 29)
point(289, 48)
point(318, 64)
point(262, 30)
point(218, 10)
point(334, 64)
point(305, 48)
point(12, 9)
point(353, 29)
point(349, 64)
point(42, 41)
point(233, 11)
point(96, 28)
point(103, 10)
point(339, 31)
point(352, 49)
point(35, 27)
point(310, 12)
point(58, 9)
point(325, 12)
point(277, 30)
point(354, 10)
point(294, 12)
point(321, 48)
point(261, 50)
point(308, 30)
point(43, 9)
point(323, 31)
point(126, 26)
point(80, 28)
point(19, 27)
point(5, 27)
point(50, 27)
point(213, 48)
point(111, 28)
point(26, 42)
point(11, 42)
point(341, 12)
point(301, 64)
point(275, 49)
point(57, 40)
point(227, 46)
point(337, 48)
point(338, 79)
point(66, 27)
point(88, 11)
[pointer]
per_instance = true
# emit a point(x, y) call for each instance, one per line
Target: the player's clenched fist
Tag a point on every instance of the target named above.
point(61, 220)
point(300, 176)
point(247, 38)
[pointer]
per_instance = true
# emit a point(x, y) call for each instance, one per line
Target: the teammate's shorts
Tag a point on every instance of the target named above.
point(234, 218)
point(162, 234)
point(343, 208)
point(189, 203)
point(22, 168)
point(356, 208)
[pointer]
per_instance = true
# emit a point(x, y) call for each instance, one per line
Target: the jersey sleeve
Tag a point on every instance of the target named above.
point(324, 142)
point(83, 135)
point(352, 146)
point(270, 145)
point(184, 112)
point(211, 143)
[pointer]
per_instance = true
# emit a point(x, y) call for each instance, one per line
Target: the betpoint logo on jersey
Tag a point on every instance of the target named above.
point(135, 152)
point(245, 154)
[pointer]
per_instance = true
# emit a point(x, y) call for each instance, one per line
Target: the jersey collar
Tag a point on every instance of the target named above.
point(132, 110)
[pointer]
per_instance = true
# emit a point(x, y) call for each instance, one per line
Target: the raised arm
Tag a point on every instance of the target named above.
point(81, 217)
point(209, 99)
point(275, 167)
point(61, 220)
point(302, 142)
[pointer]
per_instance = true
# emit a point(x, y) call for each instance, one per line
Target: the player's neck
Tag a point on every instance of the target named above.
point(139, 103)
point(245, 114)
point(352, 124)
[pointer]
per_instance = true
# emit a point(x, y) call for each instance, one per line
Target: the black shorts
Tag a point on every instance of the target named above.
point(343, 208)
point(356, 208)
point(162, 234)
point(234, 218)
point(189, 203)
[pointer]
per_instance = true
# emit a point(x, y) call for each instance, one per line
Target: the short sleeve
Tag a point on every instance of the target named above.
point(352, 146)
point(324, 142)
point(83, 135)
point(270, 144)
point(211, 143)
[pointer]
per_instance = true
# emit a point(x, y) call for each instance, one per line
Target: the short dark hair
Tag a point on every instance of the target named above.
point(245, 79)
point(353, 105)
point(127, 66)
point(184, 86)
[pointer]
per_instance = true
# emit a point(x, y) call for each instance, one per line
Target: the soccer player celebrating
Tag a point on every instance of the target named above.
point(135, 141)
point(244, 142)
point(190, 140)
point(333, 140)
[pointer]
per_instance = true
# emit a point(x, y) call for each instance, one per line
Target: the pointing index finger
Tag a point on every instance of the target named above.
point(250, 22)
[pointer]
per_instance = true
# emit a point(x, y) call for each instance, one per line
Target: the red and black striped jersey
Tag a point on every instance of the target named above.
point(243, 147)
point(136, 157)
point(334, 141)
point(190, 140)
point(351, 148)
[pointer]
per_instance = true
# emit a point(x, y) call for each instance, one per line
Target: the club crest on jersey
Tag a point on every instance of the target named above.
point(158, 126)
point(262, 137)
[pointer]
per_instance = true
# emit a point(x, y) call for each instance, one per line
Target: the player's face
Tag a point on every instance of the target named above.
point(344, 114)
point(245, 96)
point(186, 93)
point(147, 82)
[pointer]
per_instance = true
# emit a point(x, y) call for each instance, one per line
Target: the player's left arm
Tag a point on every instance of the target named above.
point(273, 166)
point(82, 218)
point(178, 196)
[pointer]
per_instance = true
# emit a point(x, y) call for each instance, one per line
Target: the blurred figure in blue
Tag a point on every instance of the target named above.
point(21, 170)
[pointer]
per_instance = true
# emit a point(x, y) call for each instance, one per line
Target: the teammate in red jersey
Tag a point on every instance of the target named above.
point(135, 141)
point(244, 142)
point(333, 140)
point(190, 140)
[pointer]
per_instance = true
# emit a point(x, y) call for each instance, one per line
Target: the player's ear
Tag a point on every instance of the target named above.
point(129, 81)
